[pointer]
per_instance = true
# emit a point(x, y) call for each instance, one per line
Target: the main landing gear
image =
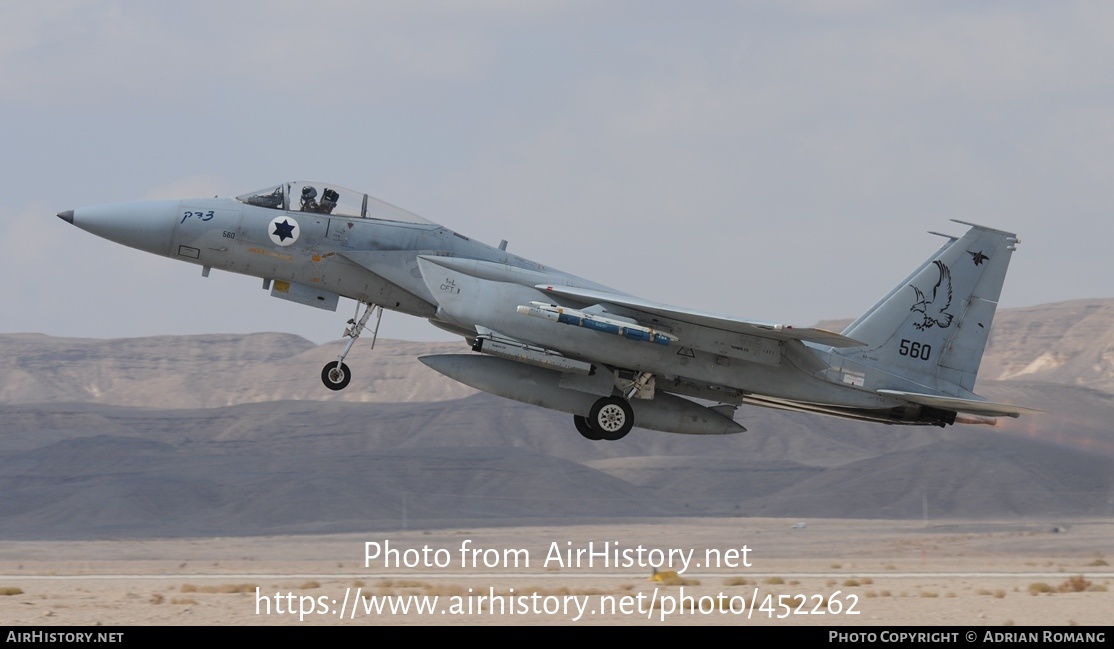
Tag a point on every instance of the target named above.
point(336, 375)
point(610, 418)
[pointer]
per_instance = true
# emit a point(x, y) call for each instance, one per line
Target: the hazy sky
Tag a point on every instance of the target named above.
point(772, 160)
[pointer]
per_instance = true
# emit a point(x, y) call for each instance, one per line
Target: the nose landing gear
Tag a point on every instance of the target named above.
point(336, 375)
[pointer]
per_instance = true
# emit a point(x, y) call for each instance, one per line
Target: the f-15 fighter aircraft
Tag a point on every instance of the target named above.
point(611, 360)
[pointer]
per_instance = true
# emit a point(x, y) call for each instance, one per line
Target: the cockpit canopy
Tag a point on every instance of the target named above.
point(325, 198)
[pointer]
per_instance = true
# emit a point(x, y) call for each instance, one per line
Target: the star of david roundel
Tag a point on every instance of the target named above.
point(284, 230)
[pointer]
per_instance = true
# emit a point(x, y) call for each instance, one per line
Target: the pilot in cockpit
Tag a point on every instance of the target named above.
point(328, 202)
point(309, 199)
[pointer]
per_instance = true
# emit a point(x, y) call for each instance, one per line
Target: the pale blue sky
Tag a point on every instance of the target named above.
point(771, 160)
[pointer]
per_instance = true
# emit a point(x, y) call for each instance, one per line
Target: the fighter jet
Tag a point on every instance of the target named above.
point(549, 338)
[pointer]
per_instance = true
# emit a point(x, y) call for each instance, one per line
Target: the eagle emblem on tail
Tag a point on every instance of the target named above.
point(935, 308)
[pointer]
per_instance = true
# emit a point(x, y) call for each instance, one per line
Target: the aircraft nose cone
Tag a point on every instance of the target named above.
point(145, 225)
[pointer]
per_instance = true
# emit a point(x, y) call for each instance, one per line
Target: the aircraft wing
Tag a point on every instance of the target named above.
point(588, 297)
point(972, 406)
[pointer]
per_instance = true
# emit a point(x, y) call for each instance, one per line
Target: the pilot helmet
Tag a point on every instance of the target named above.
point(308, 193)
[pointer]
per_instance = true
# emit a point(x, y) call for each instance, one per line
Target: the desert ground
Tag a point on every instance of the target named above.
point(206, 480)
point(828, 572)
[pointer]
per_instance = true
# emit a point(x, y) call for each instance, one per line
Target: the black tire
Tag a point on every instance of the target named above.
point(585, 429)
point(612, 417)
point(334, 378)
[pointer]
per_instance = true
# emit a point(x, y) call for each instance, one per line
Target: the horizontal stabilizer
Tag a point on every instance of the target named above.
point(701, 318)
point(973, 406)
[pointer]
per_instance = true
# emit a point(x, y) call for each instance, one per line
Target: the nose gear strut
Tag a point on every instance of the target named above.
point(336, 375)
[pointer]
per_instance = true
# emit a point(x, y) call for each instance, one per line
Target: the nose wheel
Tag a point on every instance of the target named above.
point(336, 374)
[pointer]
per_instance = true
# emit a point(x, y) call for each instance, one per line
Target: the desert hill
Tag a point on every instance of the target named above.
point(234, 435)
point(212, 370)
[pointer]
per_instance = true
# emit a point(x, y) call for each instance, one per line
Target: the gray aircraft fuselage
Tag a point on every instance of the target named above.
point(381, 256)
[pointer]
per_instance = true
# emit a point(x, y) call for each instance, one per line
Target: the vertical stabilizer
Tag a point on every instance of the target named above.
point(932, 328)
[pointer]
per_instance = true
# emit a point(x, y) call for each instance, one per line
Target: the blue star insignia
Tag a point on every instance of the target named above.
point(284, 230)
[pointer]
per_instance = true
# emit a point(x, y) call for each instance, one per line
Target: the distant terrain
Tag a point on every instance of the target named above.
point(234, 435)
